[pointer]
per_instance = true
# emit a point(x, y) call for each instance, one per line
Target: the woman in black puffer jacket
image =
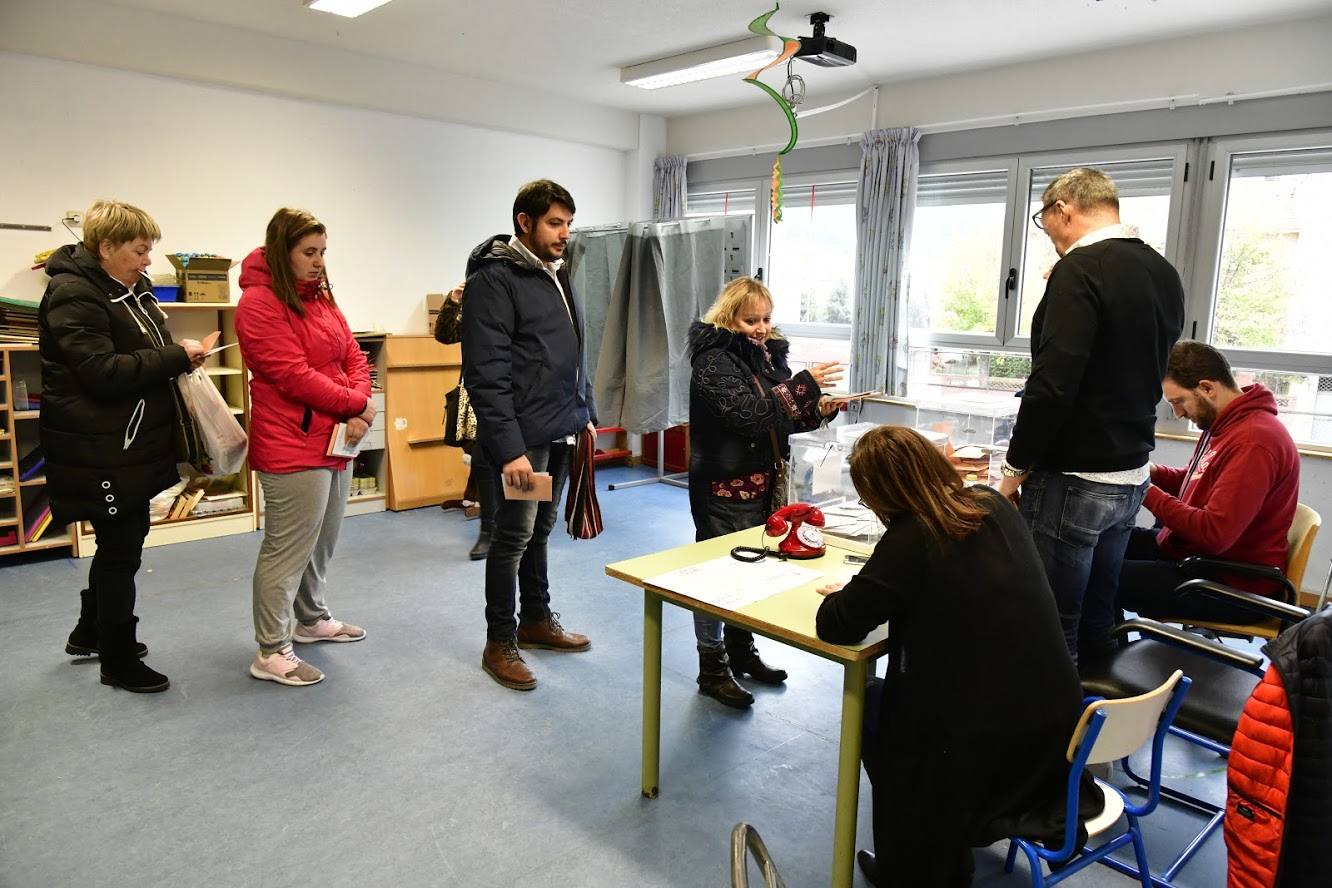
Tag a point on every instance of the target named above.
point(109, 413)
point(743, 404)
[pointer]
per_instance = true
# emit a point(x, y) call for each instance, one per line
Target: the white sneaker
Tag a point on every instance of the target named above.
point(327, 630)
point(286, 668)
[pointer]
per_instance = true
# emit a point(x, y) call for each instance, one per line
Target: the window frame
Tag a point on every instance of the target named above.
point(978, 341)
point(1202, 281)
point(802, 180)
point(1020, 221)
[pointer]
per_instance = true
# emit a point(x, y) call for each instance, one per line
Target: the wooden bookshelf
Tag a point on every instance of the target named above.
point(195, 320)
point(373, 461)
point(19, 362)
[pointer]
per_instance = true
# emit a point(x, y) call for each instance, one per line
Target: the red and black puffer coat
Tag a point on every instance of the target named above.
point(1279, 804)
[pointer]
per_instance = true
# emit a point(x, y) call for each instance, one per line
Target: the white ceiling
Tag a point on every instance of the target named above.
point(576, 47)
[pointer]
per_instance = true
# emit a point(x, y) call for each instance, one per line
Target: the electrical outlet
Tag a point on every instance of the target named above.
point(73, 218)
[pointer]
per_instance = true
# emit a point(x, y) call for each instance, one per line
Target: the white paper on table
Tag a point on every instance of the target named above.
point(727, 583)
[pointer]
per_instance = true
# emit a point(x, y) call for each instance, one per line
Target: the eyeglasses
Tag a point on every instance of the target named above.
point(1036, 216)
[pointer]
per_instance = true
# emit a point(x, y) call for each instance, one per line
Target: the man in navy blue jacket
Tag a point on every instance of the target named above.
point(526, 376)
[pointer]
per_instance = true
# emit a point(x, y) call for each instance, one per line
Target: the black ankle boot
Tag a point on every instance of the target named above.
point(482, 547)
point(716, 681)
point(83, 640)
point(869, 866)
point(745, 658)
point(121, 668)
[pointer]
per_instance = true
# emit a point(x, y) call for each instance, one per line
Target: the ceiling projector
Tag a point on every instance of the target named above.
point(822, 50)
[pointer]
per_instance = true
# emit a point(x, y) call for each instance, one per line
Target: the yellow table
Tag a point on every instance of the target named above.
point(787, 617)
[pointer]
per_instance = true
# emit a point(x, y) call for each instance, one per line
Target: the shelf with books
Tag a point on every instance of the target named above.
point(370, 469)
point(226, 369)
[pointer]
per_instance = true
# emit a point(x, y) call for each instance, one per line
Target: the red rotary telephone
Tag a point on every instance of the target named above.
point(800, 522)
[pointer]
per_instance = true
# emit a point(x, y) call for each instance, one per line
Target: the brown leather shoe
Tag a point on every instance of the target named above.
point(502, 662)
point(549, 635)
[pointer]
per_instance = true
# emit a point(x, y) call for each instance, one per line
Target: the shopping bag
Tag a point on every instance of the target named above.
point(459, 418)
point(222, 439)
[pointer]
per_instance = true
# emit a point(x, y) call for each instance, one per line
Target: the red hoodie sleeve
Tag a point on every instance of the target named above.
point(1243, 484)
point(272, 349)
point(1168, 479)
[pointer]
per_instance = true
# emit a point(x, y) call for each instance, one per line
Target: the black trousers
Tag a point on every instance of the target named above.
point(1147, 583)
point(119, 553)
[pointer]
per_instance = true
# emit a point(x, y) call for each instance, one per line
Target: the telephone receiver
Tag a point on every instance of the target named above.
point(800, 522)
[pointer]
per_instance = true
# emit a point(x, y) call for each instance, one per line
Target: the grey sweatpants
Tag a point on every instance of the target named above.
point(302, 516)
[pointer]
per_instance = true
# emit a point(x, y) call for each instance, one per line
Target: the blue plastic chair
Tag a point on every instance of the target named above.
point(1109, 730)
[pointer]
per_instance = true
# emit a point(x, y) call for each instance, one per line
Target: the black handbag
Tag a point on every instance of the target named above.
point(459, 418)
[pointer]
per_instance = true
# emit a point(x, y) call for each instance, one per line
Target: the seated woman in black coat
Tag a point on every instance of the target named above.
point(981, 697)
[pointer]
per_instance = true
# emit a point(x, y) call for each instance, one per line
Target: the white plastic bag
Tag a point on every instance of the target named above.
point(221, 436)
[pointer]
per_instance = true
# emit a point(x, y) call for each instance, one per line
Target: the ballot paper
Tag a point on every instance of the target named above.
point(727, 583)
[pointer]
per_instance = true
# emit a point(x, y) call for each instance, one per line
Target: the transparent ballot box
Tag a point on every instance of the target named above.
point(821, 476)
point(972, 430)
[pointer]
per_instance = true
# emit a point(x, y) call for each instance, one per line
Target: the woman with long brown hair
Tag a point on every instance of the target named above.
point(307, 375)
point(965, 739)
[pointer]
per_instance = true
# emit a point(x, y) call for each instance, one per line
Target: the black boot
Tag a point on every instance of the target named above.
point(745, 658)
point(121, 668)
point(869, 866)
point(83, 640)
point(482, 547)
point(716, 681)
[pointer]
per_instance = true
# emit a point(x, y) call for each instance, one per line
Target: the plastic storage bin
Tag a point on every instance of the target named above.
point(821, 475)
point(166, 294)
point(977, 430)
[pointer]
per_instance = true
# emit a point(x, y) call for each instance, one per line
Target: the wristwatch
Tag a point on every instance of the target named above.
point(1006, 469)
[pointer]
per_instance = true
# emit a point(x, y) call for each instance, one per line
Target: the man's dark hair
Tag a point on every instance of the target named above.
point(1191, 362)
point(535, 199)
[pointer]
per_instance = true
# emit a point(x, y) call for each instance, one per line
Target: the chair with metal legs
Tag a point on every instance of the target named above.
point(1108, 730)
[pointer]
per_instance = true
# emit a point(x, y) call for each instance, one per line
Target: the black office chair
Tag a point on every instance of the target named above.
point(1223, 678)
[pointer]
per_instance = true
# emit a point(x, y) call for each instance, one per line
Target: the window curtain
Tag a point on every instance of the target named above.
point(669, 188)
point(886, 202)
point(669, 274)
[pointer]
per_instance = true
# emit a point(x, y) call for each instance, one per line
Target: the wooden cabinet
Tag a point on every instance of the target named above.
point(422, 469)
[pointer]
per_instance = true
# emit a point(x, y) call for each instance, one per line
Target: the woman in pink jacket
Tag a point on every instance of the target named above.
point(307, 375)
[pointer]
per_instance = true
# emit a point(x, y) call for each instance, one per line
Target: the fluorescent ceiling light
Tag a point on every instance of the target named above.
point(345, 8)
point(737, 57)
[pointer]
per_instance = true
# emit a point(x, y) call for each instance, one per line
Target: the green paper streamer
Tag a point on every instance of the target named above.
point(790, 46)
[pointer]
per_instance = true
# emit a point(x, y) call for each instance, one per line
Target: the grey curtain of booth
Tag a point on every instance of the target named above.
point(886, 202)
point(669, 187)
point(669, 275)
point(594, 261)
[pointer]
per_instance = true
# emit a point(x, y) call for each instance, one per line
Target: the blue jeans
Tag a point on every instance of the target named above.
point(1081, 530)
point(716, 517)
point(518, 545)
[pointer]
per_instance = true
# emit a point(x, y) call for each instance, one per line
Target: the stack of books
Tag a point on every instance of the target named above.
point(31, 464)
point(36, 519)
point(18, 320)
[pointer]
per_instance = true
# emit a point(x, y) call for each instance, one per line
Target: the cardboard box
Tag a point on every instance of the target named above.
point(434, 302)
point(202, 278)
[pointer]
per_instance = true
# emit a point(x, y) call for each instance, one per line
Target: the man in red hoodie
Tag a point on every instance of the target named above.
point(1235, 500)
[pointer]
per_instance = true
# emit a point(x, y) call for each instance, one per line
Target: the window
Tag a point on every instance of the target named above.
point(1145, 188)
point(1276, 237)
point(957, 254)
point(722, 202)
point(812, 257)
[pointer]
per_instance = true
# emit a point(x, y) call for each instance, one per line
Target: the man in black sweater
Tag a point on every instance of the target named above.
point(1100, 340)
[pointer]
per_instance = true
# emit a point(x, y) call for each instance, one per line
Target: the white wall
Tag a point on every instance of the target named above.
point(120, 36)
point(405, 198)
point(1268, 57)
